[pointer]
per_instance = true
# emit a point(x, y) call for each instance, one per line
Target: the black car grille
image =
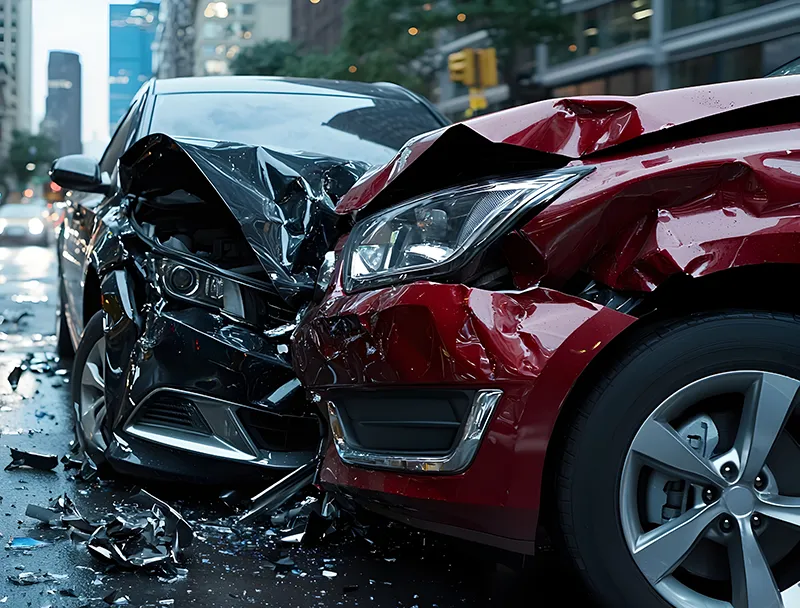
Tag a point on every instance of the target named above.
point(173, 412)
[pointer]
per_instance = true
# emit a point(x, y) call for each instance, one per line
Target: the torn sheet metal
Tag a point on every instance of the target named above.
point(283, 202)
point(568, 128)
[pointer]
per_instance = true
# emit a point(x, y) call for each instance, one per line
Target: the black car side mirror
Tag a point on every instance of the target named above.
point(79, 172)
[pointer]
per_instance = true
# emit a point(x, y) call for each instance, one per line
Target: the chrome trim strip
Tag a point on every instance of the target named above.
point(480, 415)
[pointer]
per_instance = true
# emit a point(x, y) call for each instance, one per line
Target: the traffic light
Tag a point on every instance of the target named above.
point(487, 68)
point(461, 66)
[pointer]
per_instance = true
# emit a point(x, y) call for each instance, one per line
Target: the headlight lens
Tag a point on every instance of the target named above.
point(35, 226)
point(200, 287)
point(184, 282)
point(438, 233)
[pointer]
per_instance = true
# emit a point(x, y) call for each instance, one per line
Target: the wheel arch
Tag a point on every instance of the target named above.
point(765, 287)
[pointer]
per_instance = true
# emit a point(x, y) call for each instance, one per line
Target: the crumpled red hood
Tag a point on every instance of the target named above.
point(571, 128)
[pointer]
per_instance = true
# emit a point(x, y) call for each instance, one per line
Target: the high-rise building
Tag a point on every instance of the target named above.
point(62, 119)
point(132, 31)
point(15, 69)
point(173, 51)
point(317, 25)
point(222, 29)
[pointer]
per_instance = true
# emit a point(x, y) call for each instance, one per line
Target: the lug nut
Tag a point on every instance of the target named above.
point(729, 471)
point(756, 521)
point(725, 524)
point(709, 495)
point(760, 483)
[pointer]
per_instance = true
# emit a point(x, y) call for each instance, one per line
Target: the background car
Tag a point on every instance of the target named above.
point(155, 392)
point(590, 334)
point(25, 223)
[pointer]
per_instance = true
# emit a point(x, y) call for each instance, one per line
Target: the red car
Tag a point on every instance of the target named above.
point(581, 316)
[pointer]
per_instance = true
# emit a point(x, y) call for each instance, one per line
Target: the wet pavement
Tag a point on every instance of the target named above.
point(390, 566)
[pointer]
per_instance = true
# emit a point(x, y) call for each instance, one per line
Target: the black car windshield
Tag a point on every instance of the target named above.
point(790, 69)
point(355, 128)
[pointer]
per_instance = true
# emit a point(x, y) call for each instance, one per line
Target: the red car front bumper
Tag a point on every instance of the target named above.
point(426, 337)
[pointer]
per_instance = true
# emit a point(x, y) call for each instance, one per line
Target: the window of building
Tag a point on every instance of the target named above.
point(682, 13)
point(247, 9)
point(602, 28)
point(213, 29)
point(627, 82)
point(209, 50)
point(753, 61)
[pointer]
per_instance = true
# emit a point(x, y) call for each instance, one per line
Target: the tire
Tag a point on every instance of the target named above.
point(63, 341)
point(92, 432)
point(661, 365)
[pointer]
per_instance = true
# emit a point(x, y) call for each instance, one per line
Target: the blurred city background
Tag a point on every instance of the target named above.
point(71, 68)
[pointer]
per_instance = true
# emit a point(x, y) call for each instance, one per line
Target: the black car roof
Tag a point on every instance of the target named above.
point(274, 84)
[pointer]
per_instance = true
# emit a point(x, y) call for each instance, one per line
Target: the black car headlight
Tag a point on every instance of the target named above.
point(182, 281)
point(201, 287)
point(436, 234)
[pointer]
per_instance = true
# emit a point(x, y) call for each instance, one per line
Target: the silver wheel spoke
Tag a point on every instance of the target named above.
point(660, 551)
point(753, 583)
point(93, 377)
point(766, 407)
point(665, 450)
point(783, 508)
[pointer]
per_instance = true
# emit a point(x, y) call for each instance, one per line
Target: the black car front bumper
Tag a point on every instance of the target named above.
point(191, 394)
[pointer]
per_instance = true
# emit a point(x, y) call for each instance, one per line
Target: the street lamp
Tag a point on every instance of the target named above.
point(31, 166)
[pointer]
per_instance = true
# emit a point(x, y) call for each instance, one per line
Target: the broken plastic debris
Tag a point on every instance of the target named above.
point(44, 462)
point(14, 376)
point(117, 598)
point(281, 491)
point(71, 463)
point(33, 578)
point(24, 542)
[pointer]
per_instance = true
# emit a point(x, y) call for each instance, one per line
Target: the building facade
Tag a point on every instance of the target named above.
point(223, 29)
point(625, 47)
point(173, 50)
point(317, 25)
point(62, 119)
point(629, 47)
point(132, 30)
point(15, 69)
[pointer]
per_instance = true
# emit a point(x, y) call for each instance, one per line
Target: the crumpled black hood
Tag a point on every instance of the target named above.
point(284, 201)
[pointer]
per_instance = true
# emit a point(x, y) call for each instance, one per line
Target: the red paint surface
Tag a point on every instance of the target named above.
point(687, 207)
point(696, 208)
point(576, 127)
point(532, 345)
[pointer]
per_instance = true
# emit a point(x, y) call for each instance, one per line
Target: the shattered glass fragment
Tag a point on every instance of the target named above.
point(117, 598)
point(14, 376)
point(21, 542)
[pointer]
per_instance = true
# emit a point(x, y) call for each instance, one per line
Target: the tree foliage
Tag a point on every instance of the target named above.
point(27, 148)
point(396, 41)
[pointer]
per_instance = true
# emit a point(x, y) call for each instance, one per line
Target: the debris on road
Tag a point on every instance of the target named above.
point(146, 534)
point(14, 376)
point(280, 492)
point(117, 598)
point(24, 543)
point(43, 462)
point(32, 578)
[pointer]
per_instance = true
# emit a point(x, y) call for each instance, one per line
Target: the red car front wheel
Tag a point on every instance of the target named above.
point(680, 479)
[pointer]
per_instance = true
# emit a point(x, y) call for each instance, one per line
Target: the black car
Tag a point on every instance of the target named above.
point(185, 260)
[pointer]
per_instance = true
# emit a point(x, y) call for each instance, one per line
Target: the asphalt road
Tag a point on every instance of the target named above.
point(395, 567)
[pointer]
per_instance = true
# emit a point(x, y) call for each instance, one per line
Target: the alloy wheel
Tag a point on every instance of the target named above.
point(91, 409)
point(709, 496)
